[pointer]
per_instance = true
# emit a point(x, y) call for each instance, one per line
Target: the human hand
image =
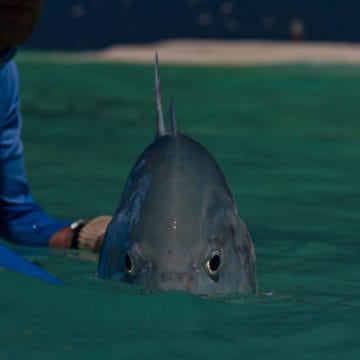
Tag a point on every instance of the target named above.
point(17, 21)
point(82, 234)
point(90, 234)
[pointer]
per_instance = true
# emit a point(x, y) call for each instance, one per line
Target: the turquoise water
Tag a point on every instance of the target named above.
point(287, 138)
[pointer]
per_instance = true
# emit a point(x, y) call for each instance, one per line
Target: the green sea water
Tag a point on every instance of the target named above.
point(287, 139)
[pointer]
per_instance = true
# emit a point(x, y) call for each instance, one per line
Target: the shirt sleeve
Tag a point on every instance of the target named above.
point(21, 219)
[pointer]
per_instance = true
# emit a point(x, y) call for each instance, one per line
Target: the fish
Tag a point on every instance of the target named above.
point(177, 226)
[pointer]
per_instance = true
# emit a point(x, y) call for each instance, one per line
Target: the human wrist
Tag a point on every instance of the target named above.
point(62, 238)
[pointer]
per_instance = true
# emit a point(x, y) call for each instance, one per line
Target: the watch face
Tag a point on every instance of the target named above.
point(17, 20)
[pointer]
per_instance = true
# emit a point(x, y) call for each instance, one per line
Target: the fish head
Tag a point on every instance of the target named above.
point(187, 234)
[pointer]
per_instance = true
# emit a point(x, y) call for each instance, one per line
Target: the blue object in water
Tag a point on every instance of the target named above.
point(10, 260)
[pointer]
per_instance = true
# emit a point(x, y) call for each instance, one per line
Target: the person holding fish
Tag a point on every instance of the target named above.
point(22, 220)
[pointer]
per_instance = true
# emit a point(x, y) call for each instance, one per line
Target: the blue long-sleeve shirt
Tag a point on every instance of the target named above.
point(21, 219)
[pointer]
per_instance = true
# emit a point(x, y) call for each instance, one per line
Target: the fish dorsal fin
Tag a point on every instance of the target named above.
point(173, 126)
point(160, 127)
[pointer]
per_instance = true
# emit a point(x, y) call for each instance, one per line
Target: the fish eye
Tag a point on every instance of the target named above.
point(214, 262)
point(129, 264)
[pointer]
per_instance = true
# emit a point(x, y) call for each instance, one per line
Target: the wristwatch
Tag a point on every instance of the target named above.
point(76, 228)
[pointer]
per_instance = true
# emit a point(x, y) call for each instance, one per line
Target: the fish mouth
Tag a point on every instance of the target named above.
point(174, 276)
point(181, 281)
point(177, 281)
